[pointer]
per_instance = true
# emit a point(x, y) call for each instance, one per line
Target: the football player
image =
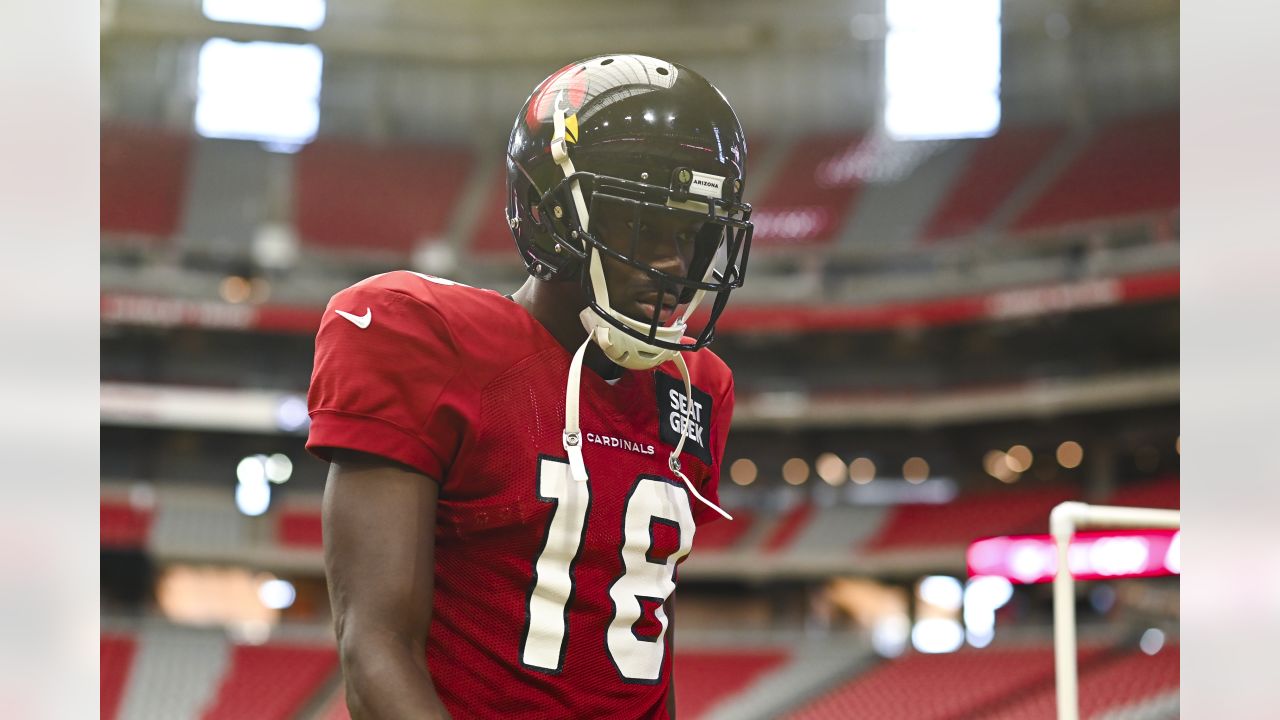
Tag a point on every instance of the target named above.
point(502, 527)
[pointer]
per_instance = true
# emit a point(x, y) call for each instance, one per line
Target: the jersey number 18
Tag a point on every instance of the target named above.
point(644, 578)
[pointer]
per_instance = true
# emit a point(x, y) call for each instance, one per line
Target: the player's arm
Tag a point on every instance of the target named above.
point(379, 548)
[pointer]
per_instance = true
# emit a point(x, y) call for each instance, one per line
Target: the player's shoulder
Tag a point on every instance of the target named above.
point(415, 297)
point(429, 309)
point(440, 294)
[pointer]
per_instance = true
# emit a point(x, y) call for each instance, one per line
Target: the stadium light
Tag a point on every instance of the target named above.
point(1070, 454)
point(743, 471)
point(998, 465)
point(915, 470)
point(1173, 556)
point(302, 14)
point(262, 91)
point(278, 467)
point(1019, 458)
point(251, 470)
point(942, 591)
point(862, 470)
point(1093, 555)
point(291, 413)
point(942, 69)
point(831, 469)
point(983, 595)
point(1152, 641)
point(889, 635)
point(937, 635)
point(253, 492)
point(277, 594)
point(795, 471)
point(253, 499)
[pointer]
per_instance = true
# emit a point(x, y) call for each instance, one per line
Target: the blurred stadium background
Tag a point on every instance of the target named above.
point(961, 309)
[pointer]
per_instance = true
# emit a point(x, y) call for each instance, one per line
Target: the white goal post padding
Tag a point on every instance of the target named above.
point(1064, 521)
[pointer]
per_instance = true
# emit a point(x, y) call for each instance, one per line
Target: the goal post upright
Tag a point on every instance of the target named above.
point(1064, 521)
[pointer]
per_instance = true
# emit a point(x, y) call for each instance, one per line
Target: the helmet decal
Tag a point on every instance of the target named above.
point(571, 129)
point(567, 85)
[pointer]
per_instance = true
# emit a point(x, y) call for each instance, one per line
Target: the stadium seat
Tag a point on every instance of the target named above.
point(705, 677)
point(959, 522)
point(835, 529)
point(1106, 686)
point(809, 197)
point(124, 526)
point(1130, 168)
point(964, 684)
point(184, 524)
point(722, 535)
point(996, 167)
point(271, 682)
point(143, 181)
point(116, 661)
point(354, 196)
point(175, 670)
point(299, 527)
point(492, 237)
point(788, 528)
point(1160, 493)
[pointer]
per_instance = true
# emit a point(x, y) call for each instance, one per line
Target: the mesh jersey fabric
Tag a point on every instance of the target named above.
point(468, 388)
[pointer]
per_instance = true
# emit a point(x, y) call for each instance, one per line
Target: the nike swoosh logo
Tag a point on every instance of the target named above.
point(360, 321)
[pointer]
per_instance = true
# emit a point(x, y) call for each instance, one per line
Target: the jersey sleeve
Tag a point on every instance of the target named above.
point(719, 434)
point(386, 382)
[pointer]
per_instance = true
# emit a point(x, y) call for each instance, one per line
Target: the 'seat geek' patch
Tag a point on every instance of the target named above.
point(671, 417)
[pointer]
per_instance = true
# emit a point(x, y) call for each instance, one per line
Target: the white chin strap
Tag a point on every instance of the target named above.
point(572, 437)
point(621, 348)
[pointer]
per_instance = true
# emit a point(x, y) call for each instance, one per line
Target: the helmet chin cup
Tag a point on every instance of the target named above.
point(625, 350)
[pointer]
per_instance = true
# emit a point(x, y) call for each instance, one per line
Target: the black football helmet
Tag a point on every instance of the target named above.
point(638, 135)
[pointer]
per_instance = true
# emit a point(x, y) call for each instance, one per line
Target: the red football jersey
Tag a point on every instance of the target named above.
point(549, 592)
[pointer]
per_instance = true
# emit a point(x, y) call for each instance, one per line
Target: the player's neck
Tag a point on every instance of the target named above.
point(556, 307)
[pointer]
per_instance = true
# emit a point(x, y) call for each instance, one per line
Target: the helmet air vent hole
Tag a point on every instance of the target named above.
point(661, 71)
point(606, 61)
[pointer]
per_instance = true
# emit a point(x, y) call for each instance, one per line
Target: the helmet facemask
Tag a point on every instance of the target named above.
point(714, 257)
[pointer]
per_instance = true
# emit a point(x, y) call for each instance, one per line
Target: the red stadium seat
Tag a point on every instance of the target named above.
point(788, 527)
point(1106, 685)
point(354, 196)
point(271, 682)
point(492, 236)
point(996, 167)
point(123, 526)
point(704, 678)
point(1162, 493)
point(965, 684)
point(299, 527)
point(1130, 168)
point(721, 534)
point(143, 180)
point(116, 661)
point(959, 522)
point(809, 199)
